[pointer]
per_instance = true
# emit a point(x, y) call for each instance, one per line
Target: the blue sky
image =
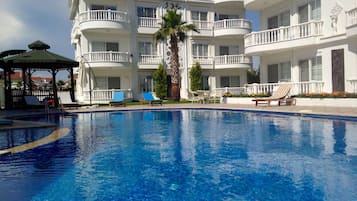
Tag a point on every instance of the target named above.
point(24, 21)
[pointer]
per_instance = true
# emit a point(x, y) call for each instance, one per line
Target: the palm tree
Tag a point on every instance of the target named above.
point(173, 28)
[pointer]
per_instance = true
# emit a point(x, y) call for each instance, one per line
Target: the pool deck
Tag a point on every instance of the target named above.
point(335, 111)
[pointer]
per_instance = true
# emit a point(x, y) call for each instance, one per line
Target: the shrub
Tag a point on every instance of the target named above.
point(160, 82)
point(196, 77)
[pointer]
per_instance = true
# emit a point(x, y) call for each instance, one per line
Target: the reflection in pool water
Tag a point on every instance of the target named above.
point(185, 155)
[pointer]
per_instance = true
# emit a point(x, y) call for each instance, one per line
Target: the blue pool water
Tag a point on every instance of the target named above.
point(183, 155)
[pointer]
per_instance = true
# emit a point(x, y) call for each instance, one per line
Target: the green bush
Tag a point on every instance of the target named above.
point(160, 82)
point(196, 77)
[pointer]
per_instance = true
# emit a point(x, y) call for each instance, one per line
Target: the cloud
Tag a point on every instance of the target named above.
point(11, 29)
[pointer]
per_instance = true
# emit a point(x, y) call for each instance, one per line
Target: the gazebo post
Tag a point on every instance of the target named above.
point(72, 86)
point(54, 87)
point(24, 82)
point(8, 93)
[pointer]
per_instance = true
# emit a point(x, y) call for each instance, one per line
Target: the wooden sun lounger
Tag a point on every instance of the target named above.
point(281, 95)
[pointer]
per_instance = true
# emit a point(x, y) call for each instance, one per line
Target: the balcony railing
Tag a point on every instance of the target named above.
point(351, 17)
point(103, 15)
point(204, 25)
point(300, 31)
point(268, 88)
point(150, 59)
point(148, 22)
point(232, 24)
point(232, 59)
point(205, 60)
point(103, 95)
point(107, 56)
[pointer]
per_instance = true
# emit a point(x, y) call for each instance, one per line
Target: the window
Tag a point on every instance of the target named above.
point(146, 12)
point(200, 50)
point(147, 83)
point(205, 85)
point(228, 50)
point(223, 17)
point(113, 82)
point(279, 72)
point(282, 19)
point(199, 15)
point(316, 68)
point(230, 81)
point(223, 50)
point(147, 48)
point(104, 46)
point(310, 11)
point(315, 6)
point(311, 69)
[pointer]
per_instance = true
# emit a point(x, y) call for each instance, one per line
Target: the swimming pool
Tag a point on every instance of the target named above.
point(183, 155)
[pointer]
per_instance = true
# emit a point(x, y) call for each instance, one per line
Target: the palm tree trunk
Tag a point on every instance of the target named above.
point(175, 69)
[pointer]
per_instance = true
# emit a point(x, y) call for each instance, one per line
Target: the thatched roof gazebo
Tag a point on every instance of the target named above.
point(38, 58)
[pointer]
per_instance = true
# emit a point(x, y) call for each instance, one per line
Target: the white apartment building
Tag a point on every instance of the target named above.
point(113, 40)
point(306, 41)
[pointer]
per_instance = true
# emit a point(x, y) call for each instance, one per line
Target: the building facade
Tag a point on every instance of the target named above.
point(113, 40)
point(311, 41)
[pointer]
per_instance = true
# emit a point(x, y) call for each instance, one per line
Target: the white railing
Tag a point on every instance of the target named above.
point(351, 17)
point(107, 56)
point(148, 22)
point(232, 24)
point(205, 25)
point(304, 30)
point(150, 59)
point(268, 88)
point(202, 60)
point(232, 59)
point(103, 95)
point(103, 15)
point(296, 89)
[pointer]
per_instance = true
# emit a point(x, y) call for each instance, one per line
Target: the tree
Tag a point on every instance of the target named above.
point(196, 77)
point(160, 82)
point(173, 29)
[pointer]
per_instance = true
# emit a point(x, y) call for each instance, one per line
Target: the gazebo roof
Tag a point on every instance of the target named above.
point(39, 57)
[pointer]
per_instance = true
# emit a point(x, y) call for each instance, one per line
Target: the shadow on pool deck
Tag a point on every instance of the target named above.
point(19, 124)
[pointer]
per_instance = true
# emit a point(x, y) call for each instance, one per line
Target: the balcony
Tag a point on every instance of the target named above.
point(205, 28)
point(205, 61)
point(148, 25)
point(232, 61)
point(103, 21)
point(232, 27)
point(107, 59)
point(351, 24)
point(149, 61)
point(304, 34)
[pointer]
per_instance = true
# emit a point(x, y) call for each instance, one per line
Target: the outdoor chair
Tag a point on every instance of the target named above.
point(280, 95)
point(33, 102)
point(118, 99)
point(148, 97)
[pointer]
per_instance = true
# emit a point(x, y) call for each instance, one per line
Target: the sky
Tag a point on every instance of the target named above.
point(25, 21)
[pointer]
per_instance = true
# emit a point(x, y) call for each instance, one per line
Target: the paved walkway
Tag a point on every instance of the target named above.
point(336, 111)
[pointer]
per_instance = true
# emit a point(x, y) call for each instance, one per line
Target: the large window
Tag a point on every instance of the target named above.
point(230, 81)
point(279, 72)
point(147, 48)
point(205, 85)
point(310, 11)
point(282, 19)
point(228, 50)
point(104, 46)
point(200, 50)
point(107, 83)
point(311, 69)
point(146, 12)
point(199, 15)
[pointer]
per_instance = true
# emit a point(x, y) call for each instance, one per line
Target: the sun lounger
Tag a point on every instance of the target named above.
point(149, 98)
point(118, 99)
point(33, 102)
point(281, 95)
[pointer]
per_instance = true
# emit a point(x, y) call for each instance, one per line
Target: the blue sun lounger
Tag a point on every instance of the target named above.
point(149, 98)
point(118, 99)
